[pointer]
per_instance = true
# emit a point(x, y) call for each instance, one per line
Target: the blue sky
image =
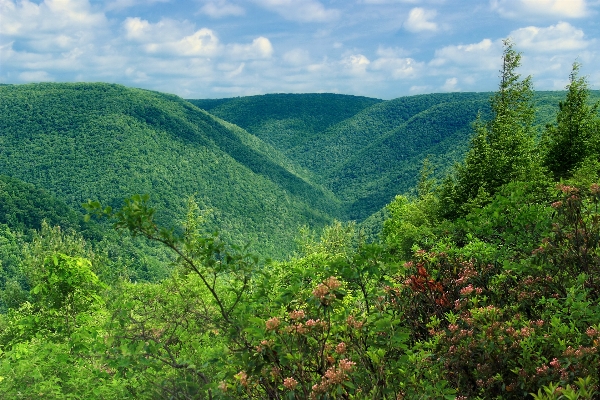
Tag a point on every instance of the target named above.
point(225, 48)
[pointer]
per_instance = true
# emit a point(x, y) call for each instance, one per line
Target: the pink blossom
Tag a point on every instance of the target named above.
point(290, 383)
point(340, 348)
point(272, 324)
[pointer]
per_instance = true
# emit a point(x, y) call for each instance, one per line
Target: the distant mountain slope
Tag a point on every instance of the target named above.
point(390, 165)
point(265, 164)
point(327, 151)
point(284, 120)
point(101, 141)
point(376, 153)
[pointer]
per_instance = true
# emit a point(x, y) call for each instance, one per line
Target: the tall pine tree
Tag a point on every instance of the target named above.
point(574, 137)
point(501, 149)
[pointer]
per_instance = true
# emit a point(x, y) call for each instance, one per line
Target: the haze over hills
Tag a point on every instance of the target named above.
point(265, 165)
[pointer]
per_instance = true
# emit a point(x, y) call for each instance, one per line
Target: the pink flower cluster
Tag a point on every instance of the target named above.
point(567, 189)
point(333, 376)
point(243, 377)
point(340, 348)
point(324, 290)
point(297, 314)
point(273, 324)
point(467, 290)
point(353, 323)
point(290, 383)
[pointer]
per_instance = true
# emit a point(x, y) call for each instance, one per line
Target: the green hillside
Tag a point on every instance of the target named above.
point(265, 165)
point(481, 281)
point(390, 164)
point(23, 206)
point(284, 120)
point(105, 142)
point(368, 157)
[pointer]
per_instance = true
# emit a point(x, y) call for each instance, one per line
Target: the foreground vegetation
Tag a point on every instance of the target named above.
point(482, 285)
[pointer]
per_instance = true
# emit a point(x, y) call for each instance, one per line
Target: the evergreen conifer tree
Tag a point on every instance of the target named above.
point(501, 149)
point(574, 137)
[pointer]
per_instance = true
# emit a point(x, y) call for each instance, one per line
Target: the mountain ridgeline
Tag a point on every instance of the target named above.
point(261, 166)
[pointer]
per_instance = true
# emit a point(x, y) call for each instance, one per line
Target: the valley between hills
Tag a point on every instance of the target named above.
point(300, 246)
point(262, 166)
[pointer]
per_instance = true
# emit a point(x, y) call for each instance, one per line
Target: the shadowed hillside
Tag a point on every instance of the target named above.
point(284, 120)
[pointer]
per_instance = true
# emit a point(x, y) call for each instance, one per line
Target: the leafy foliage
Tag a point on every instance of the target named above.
point(574, 137)
point(495, 296)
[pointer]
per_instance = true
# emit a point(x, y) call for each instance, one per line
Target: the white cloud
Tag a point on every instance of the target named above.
point(300, 10)
point(35, 76)
point(397, 67)
point(136, 28)
point(203, 42)
point(555, 38)
point(259, 48)
point(49, 37)
point(356, 63)
point(123, 4)
point(484, 55)
point(390, 1)
point(220, 9)
point(232, 70)
point(28, 19)
point(450, 85)
point(419, 20)
point(66, 40)
point(535, 8)
point(169, 37)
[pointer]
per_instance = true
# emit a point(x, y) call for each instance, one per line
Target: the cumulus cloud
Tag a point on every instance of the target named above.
point(450, 85)
point(300, 10)
point(203, 42)
point(42, 38)
point(26, 19)
point(419, 20)
point(540, 8)
point(259, 48)
point(483, 55)
point(356, 63)
point(66, 40)
point(220, 9)
point(559, 37)
point(168, 37)
point(393, 64)
point(123, 4)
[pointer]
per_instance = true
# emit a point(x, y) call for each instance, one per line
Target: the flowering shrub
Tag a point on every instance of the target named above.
point(322, 350)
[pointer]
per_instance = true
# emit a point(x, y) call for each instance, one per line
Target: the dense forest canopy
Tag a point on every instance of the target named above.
point(433, 246)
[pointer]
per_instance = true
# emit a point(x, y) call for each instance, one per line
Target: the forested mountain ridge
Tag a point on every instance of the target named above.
point(284, 120)
point(482, 284)
point(369, 157)
point(390, 142)
point(105, 142)
point(304, 161)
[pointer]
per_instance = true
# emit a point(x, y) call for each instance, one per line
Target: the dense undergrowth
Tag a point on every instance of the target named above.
point(483, 285)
